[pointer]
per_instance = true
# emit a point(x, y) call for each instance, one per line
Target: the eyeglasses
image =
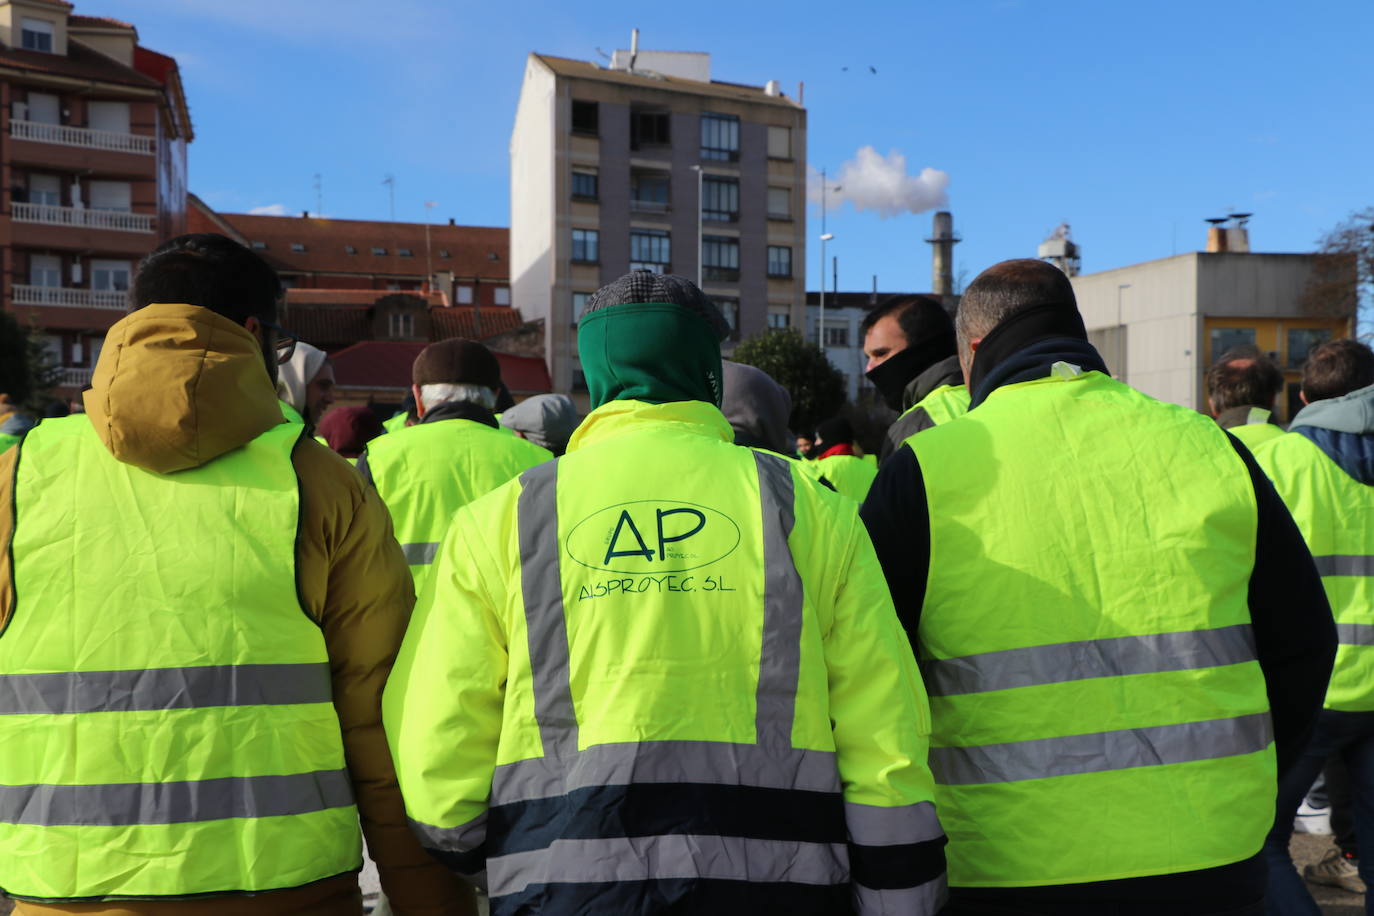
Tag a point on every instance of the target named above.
point(285, 341)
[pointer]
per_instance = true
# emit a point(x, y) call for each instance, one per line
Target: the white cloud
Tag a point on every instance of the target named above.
point(269, 210)
point(871, 181)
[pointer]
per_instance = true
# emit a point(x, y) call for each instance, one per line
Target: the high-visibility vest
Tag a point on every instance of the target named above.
point(1257, 431)
point(850, 474)
point(166, 707)
point(396, 423)
point(616, 573)
point(944, 403)
point(1086, 638)
point(427, 472)
point(1335, 514)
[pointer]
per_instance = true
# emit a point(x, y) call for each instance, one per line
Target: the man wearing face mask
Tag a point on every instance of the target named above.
point(909, 342)
point(198, 610)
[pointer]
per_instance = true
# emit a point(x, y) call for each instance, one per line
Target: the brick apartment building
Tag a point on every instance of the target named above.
point(93, 156)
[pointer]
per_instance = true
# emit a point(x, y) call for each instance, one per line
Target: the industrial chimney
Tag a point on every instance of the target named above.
point(942, 241)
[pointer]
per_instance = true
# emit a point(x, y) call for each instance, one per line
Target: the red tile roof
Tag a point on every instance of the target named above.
point(386, 364)
point(315, 298)
point(330, 328)
point(473, 251)
point(81, 62)
point(97, 21)
point(462, 321)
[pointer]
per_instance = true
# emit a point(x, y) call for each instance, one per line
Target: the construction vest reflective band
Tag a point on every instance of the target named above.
point(1335, 514)
point(768, 812)
point(149, 674)
point(944, 403)
point(1071, 659)
point(427, 472)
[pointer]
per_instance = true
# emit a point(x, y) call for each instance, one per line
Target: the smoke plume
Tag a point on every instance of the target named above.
point(871, 181)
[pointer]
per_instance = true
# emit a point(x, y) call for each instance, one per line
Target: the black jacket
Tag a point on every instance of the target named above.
point(1294, 635)
point(945, 372)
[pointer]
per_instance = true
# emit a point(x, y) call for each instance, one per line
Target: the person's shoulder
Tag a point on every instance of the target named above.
point(325, 477)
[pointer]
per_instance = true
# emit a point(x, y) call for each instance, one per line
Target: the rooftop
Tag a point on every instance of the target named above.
point(386, 364)
point(581, 69)
point(80, 62)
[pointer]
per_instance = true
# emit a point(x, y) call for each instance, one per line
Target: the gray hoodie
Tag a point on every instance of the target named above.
point(757, 407)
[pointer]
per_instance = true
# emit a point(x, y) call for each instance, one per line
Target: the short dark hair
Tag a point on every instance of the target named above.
point(1005, 289)
point(1243, 379)
point(1335, 368)
point(916, 315)
point(211, 271)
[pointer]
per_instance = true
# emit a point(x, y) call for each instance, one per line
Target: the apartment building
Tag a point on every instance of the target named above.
point(94, 170)
point(648, 162)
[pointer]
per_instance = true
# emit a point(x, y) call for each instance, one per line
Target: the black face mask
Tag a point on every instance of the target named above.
point(892, 375)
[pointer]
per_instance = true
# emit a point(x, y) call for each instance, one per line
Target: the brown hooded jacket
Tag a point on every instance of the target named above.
point(176, 387)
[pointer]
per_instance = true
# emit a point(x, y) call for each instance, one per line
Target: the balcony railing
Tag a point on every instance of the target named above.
point(648, 206)
point(76, 378)
point(120, 220)
point(81, 136)
point(25, 294)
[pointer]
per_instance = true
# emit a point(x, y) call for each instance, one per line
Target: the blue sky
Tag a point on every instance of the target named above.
point(1131, 121)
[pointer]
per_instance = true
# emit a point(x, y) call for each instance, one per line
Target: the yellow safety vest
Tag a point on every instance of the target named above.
point(1086, 638)
point(427, 472)
point(1335, 514)
point(944, 403)
point(850, 474)
point(166, 707)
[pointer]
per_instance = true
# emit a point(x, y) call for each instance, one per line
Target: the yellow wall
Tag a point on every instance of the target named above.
point(1271, 336)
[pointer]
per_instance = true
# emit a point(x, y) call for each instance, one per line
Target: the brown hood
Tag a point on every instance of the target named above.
point(177, 386)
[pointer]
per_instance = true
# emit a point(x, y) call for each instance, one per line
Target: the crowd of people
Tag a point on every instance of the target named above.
point(1057, 648)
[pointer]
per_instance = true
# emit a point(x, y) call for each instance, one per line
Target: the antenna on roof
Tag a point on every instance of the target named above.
point(603, 53)
point(319, 195)
point(390, 182)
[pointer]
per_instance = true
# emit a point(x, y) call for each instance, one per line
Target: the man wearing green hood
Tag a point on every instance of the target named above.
point(661, 673)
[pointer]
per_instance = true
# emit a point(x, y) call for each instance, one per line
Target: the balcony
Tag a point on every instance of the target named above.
point(115, 299)
point(83, 137)
point(75, 378)
point(118, 220)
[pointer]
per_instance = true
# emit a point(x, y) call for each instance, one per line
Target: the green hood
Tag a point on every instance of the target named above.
point(656, 352)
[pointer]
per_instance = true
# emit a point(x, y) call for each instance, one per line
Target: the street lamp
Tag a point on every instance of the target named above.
point(820, 325)
point(698, 170)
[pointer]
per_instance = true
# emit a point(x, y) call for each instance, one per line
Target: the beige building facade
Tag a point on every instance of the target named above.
point(1159, 325)
point(648, 163)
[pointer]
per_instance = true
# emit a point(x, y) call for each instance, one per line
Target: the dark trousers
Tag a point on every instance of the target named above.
point(1351, 736)
point(1342, 807)
point(973, 908)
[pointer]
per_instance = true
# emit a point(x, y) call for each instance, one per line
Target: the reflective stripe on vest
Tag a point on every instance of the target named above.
point(426, 473)
point(1335, 514)
point(1071, 657)
point(944, 403)
point(149, 671)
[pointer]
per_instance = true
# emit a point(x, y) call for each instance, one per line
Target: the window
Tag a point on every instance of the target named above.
point(779, 261)
point(377, 250)
point(443, 252)
point(650, 249)
point(401, 324)
point(720, 258)
point(720, 137)
point(404, 252)
point(349, 249)
point(464, 295)
point(729, 307)
point(110, 275)
point(1301, 341)
point(44, 108)
point(36, 35)
point(777, 321)
point(648, 128)
point(501, 295)
point(584, 185)
point(585, 245)
point(649, 191)
point(779, 143)
point(392, 285)
point(45, 270)
point(1224, 339)
point(111, 117)
point(579, 304)
point(836, 335)
point(585, 118)
point(111, 195)
point(720, 199)
point(779, 203)
point(45, 190)
point(257, 246)
point(298, 247)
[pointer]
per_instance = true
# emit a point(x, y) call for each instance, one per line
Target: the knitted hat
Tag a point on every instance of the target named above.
point(455, 362)
point(647, 286)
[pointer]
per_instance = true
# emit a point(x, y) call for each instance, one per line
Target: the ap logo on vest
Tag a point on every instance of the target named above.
point(653, 536)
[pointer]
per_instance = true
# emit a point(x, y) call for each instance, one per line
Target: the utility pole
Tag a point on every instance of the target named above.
point(429, 263)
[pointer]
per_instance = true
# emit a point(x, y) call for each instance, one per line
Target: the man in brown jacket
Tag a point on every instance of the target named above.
point(184, 387)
